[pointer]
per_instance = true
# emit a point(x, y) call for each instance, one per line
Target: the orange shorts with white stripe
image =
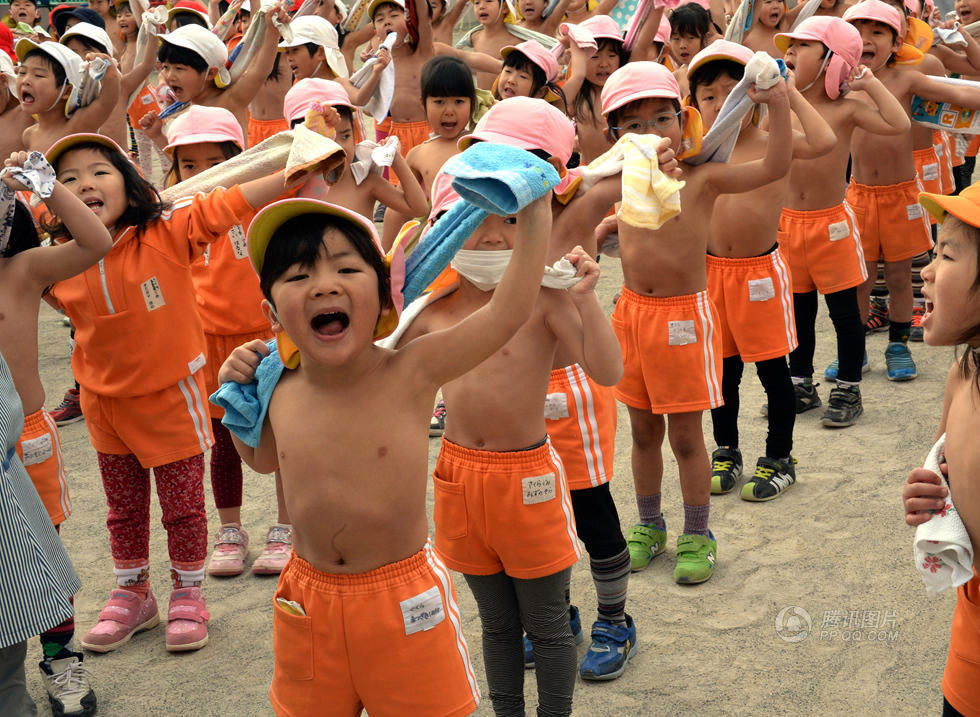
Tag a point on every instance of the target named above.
point(504, 511)
point(928, 169)
point(347, 642)
point(822, 248)
point(671, 352)
point(892, 223)
point(39, 449)
point(219, 348)
point(157, 428)
point(580, 417)
point(940, 143)
point(259, 130)
point(410, 134)
point(753, 298)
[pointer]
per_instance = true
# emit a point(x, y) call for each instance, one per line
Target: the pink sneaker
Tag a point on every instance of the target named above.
point(123, 616)
point(230, 549)
point(187, 620)
point(275, 555)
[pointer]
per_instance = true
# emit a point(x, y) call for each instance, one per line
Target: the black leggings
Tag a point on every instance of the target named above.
point(774, 375)
point(507, 605)
point(597, 522)
point(844, 312)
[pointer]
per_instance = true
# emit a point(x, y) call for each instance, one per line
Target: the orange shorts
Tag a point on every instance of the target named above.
point(581, 422)
point(671, 352)
point(503, 511)
point(410, 134)
point(891, 221)
point(39, 449)
point(219, 347)
point(940, 143)
point(145, 102)
point(928, 170)
point(157, 428)
point(367, 641)
point(753, 298)
point(259, 130)
point(823, 249)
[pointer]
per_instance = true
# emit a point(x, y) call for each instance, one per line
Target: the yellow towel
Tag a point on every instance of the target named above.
point(650, 197)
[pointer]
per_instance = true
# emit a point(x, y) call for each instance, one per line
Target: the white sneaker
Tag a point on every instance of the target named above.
point(67, 683)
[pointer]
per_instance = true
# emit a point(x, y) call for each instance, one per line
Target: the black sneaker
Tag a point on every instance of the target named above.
point(806, 395)
point(843, 407)
point(772, 476)
point(67, 683)
point(726, 469)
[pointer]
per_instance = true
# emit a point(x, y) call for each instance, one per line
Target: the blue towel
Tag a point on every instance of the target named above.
point(489, 177)
point(246, 404)
point(500, 178)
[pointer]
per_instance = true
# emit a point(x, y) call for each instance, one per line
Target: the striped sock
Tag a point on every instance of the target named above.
point(649, 508)
point(696, 519)
point(611, 577)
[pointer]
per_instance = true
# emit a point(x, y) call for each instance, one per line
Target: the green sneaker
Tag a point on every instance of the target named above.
point(645, 543)
point(696, 556)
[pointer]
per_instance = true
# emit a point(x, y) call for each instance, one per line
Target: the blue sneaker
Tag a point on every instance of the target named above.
point(898, 360)
point(831, 373)
point(612, 647)
point(574, 622)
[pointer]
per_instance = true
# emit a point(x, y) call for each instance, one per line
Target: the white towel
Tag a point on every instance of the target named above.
point(370, 156)
point(37, 175)
point(380, 101)
point(942, 549)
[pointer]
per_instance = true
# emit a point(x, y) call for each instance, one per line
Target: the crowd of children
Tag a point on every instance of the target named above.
point(148, 197)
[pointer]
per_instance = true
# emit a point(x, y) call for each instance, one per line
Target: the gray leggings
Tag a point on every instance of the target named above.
point(508, 608)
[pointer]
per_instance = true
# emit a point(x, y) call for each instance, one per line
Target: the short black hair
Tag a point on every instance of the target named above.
point(298, 241)
point(181, 19)
point(144, 204)
point(690, 19)
point(312, 47)
point(176, 55)
point(56, 69)
point(711, 71)
point(445, 76)
point(612, 119)
point(23, 231)
point(88, 43)
point(522, 63)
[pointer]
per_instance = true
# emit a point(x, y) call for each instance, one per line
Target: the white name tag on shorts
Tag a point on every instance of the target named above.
point(930, 171)
point(839, 230)
point(152, 294)
point(914, 211)
point(938, 149)
point(423, 612)
point(681, 333)
point(37, 450)
point(238, 241)
point(761, 289)
point(197, 363)
point(555, 406)
point(538, 489)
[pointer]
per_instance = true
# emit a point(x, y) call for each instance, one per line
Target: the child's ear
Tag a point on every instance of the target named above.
point(269, 311)
point(320, 55)
point(211, 74)
point(558, 165)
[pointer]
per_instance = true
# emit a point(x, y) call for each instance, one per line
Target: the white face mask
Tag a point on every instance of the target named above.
point(483, 269)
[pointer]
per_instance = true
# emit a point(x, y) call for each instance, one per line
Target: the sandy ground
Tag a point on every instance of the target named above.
point(834, 550)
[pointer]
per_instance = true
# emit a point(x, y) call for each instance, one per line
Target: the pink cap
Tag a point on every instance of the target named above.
point(663, 32)
point(310, 91)
point(638, 81)
point(602, 26)
point(442, 195)
point(720, 50)
point(528, 123)
point(199, 123)
point(536, 53)
point(841, 38)
point(877, 11)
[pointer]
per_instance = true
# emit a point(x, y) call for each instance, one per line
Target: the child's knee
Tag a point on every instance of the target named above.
point(686, 436)
point(647, 429)
point(898, 274)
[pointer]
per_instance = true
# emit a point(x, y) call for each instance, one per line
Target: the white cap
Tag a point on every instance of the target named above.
point(92, 32)
point(206, 44)
point(315, 29)
point(7, 67)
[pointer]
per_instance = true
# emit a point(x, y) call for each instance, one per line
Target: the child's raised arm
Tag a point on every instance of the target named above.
point(90, 117)
point(91, 241)
point(643, 48)
point(890, 118)
point(408, 197)
point(586, 332)
point(240, 367)
point(248, 85)
point(818, 136)
point(448, 354)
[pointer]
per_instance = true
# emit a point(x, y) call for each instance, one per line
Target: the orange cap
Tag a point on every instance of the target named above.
point(965, 206)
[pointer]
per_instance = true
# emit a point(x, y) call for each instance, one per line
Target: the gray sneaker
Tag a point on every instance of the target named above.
point(844, 407)
point(67, 683)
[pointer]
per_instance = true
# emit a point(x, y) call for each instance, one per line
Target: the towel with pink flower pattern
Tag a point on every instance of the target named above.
point(942, 549)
